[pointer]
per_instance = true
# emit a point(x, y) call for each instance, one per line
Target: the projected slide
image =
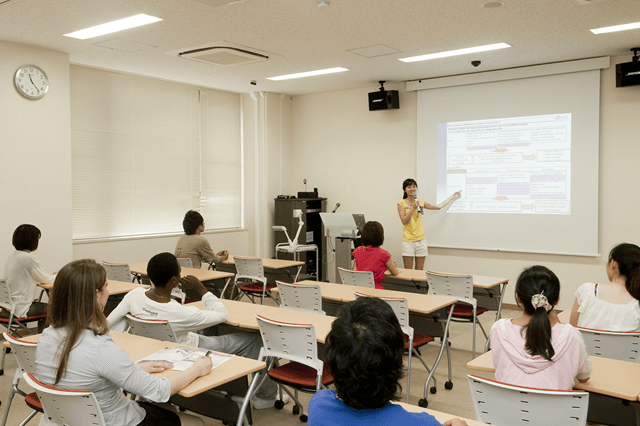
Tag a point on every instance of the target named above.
point(518, 165)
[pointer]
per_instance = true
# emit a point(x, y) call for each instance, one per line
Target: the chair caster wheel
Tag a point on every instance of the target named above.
point(295, 409)
point(448, 385)
point(433, 389)
point(304, 418)
point(1, 372)
point(423, 403)
point(279, 404)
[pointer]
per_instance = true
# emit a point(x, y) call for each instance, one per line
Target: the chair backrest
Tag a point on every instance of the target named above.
point(359, 278)
point(185, 262)
point(67, 407)
point(501, 404)
point(306, 298)
point(295, 342)
point(154, 329)
point(612, 344)
point(5, 296)
point(118, 271)
point(400, 308)
point(25, 353)
point(458, 286)
point(249, 267)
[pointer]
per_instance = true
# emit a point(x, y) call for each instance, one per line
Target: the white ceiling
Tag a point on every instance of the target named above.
point(299, 36)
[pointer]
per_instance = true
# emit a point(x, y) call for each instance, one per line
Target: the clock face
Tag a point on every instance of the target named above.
point(31, 82)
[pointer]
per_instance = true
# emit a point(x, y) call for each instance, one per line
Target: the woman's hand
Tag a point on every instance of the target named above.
point(224, 255)
point(203, 365)
point(155, 367)
point(455, 422)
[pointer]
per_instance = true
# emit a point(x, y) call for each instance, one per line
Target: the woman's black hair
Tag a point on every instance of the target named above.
point(26, 237)
point(372, 234)
point(407, 182)
point(628, 258)
point(192, 221)
point(532, 281)
point(364, 354)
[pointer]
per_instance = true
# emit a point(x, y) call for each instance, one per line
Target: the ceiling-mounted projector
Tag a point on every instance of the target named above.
point(383, 99)
point(628, 73)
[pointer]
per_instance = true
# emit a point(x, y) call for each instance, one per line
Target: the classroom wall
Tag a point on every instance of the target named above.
point(360, 158)
point(35, 147)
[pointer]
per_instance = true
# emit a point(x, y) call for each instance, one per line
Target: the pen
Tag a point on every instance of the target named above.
point(208, 353)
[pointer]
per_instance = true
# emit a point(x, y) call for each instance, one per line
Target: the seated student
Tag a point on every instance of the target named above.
point(156, 303)
point(536, 349)
point(195, 246)
point(614, 305)
point(77, 352)
point(364, 353)
point(24, 272)
point(370, 257)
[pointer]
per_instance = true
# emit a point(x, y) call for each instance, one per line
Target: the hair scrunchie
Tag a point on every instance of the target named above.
point(540, 301)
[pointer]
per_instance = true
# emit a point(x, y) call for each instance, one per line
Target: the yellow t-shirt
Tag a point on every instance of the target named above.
point(413, 231)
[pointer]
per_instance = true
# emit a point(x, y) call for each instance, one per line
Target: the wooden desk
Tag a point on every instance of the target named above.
point(440, 416)
point(243, 315)
point(137, 347)
point(115, 287)
point(281, 269)
point(201, 274)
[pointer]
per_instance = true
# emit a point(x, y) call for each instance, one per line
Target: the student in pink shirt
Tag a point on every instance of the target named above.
point(536, 349)
point(370, 257)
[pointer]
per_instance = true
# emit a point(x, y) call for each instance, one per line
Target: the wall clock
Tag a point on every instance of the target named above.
point(31, 82)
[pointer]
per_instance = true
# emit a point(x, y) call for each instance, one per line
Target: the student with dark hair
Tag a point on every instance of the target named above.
point(536, 349)
point(364, 353)
point(414, 242)
point(77, 352)
point(195, 246)
point(370, 257)
point(156, 303)
point(614, 305)
point(24, 272)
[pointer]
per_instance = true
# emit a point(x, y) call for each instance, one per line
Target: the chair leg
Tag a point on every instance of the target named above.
point(29, 417)
point(473, 350)
point(409, 368)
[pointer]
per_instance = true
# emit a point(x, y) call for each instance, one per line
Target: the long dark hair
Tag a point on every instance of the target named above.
point(74, 304)
point(628, 258)
point(407, 182)
point(533, 281)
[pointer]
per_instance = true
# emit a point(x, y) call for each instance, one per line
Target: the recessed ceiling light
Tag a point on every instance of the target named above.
point(115, 26)
point(493, 4)
point(456, 52)
point(616, 28)
point(307, 74)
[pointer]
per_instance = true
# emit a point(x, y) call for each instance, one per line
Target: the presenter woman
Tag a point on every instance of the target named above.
point(410, 210)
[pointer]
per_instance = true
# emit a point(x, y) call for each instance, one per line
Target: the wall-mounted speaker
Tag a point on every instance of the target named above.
point(384, 99)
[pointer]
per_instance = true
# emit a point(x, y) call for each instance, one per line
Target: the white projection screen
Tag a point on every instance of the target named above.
point(525, 155)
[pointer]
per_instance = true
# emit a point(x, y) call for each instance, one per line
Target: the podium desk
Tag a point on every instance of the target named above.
point(275, 269)
point(138, 347)
point(611, 379)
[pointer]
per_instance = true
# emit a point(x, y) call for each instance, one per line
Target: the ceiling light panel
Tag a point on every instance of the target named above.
point(115, 26)
point(615, 28)
point(456, 52)
point(307, 74)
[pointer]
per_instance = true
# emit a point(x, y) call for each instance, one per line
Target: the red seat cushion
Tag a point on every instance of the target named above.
point(466, 311)
point(418, 340)
point(31, 318)
point(256, 288)
point(33, 401)
point(300, 375)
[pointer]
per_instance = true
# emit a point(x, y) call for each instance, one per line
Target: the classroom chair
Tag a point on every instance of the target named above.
point(619, 345)
point(296, 343)
point(251, 271)
point(67, 407)
point(412, 340)
point(501, 404)
point(460, 287)
point(151, 328)
point(121, 272)
point(25, 353)
point(12, 324)
point(305, 298)
point(359, 278)
point(185, 262)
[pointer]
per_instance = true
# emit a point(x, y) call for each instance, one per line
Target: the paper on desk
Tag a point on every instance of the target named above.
point(183, 357)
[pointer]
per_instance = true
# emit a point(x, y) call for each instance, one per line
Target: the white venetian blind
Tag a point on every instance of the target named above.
point(144, 151)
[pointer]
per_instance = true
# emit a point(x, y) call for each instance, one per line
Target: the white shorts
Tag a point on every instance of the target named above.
point(415, 248)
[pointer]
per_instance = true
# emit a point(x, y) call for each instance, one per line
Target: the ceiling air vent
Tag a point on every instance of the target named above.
point(223, 55)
